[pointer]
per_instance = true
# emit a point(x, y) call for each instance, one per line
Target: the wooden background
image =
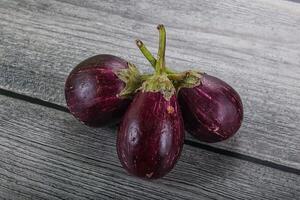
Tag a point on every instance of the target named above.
point(253, 45)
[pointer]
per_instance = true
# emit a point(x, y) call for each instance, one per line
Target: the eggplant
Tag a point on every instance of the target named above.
point(212, 110)
point(98, 90)
point(151, 135)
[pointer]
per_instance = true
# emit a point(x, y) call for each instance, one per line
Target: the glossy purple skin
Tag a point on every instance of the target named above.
point(212, 111)
point(151, 135)
point(91, 90)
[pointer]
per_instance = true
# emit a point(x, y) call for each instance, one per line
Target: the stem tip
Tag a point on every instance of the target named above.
point(139, 43)
point(160, 26)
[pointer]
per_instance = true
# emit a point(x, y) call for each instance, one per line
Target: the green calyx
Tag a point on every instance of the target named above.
point(132, 78)
point(187, 79)
point(159, 83)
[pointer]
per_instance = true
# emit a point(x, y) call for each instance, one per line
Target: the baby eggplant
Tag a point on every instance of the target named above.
point(212, 110)
point(97, 90)
point(151, 135)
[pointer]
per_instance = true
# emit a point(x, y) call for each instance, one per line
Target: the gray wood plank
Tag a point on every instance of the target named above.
point(46, 154)
point(252, 45)
point(8, 193)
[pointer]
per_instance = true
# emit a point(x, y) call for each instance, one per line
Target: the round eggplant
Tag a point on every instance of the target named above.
point(97, 89)
point(212, 110)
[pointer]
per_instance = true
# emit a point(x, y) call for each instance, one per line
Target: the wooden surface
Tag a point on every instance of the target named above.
point(252, 45)
point(48, 154)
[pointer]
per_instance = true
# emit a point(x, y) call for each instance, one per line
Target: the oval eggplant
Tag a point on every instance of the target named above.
point(93, 88)
point(212, 111)
point(151, 135)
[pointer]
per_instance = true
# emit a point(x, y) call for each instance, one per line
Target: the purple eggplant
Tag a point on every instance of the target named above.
point(151, 135)
point(97, 90)
point(212, 110)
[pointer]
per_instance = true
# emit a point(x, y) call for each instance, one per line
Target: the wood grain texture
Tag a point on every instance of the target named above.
point(46, 154)
point(252, 45)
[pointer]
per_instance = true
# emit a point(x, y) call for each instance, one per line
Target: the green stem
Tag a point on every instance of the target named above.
point(160, 64)
point(148, 55)
point(146, 52)
point(178, 76)
point(170, 71)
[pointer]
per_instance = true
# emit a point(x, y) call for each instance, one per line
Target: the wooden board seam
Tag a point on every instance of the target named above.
point(47, 104)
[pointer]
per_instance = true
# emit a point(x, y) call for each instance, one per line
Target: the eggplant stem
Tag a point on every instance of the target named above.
point(148, 55)
point(178, 76)
point(160, 64)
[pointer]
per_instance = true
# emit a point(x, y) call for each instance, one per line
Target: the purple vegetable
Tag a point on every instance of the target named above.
point(151, 135)
point(212, 111)
point(97, 89)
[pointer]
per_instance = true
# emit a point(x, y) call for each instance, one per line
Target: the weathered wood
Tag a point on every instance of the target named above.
point(47, 154)
point(253, 45)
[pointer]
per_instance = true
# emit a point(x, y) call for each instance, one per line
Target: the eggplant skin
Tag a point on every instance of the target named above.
point(151, 135)
point(92, 89)
point(212, 111)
